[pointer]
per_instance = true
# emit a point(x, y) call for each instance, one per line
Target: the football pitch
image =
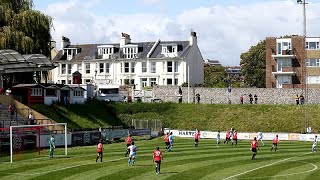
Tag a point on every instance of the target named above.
point(292, 160)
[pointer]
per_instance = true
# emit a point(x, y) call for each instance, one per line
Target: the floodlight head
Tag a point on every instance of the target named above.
point(299, 1)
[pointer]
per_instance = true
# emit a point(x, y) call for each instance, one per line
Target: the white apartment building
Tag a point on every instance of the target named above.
point(141, 64)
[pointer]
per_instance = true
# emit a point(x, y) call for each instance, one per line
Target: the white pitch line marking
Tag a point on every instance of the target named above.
point(264, 166)
point(257, 168)
point(31, 174)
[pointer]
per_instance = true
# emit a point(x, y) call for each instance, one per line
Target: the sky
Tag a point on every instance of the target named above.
point(225, 28)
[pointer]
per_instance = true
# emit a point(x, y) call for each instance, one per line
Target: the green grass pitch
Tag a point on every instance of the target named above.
point(292, 160)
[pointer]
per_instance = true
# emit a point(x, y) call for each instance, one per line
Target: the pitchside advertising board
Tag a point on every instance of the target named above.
point(86, 138)
point(244, 136)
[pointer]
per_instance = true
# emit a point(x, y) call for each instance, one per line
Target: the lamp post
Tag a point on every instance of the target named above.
point(304, 89)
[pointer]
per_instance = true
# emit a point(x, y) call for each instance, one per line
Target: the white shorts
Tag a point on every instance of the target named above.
point(133, 155)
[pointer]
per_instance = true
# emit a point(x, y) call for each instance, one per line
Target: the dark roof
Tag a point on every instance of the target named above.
point(12, 61)
point(90, 51)
point(183, 49)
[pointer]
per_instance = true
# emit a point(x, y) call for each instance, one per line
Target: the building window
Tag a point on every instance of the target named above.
point(284, 79)
point(168, 49)
point(169, 66)
point(78, 93)
point(101, 67)
point(69, 68)
point(87, 81)
point(63, 81)
point(176, 66)
point(144, 67)
point(126, 67)
point(87, 68)
point(153, 67)
point(133, 64)
point(313, 79)
point(312, 45)
point(169, 81)
point(51, 92)
point(144, 82)
point(107, 68)
point(175, 81)
point(63, 68)
point(153, 81)
point(312, 62)
point(69, 81)
point(36, 92)
point(130, 53)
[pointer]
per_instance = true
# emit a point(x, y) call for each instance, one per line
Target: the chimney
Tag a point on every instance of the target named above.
point(65, 42)
point(193, 38)
point(124, 39)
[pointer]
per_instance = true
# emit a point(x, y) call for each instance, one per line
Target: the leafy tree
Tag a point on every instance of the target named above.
point(24, 29)
point(215, 76)
point(253, 65)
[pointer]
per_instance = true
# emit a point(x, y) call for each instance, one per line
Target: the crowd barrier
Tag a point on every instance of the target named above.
point(244, 135)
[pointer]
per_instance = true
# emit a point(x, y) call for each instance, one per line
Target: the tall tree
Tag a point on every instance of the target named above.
point(215, 76)
point(24, 29)
point(253, 64)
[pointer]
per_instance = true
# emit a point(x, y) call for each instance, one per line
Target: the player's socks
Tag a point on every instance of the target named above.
point(97, 158)
point(159, 168)
point(275, 149)
point(132, 162)
point(128, 162)
point(101, 158)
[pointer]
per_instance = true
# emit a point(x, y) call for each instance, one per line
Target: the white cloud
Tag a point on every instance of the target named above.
point(150, 1)
point(224, 32)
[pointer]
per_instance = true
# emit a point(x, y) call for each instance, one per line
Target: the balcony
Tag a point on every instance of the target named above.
point(284, 54)
point(284, 71)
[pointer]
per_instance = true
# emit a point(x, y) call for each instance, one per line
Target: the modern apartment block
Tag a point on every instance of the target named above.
point(292, 62)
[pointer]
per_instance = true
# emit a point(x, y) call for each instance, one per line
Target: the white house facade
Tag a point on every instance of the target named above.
point(141, 64)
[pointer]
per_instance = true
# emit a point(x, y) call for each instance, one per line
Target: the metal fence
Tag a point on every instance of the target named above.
point(153, 124)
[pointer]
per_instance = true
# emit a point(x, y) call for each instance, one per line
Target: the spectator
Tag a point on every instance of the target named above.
point(31, 119)
point(251, 98)
point(198, 97)
point(11, 110)
point(1, 108)
point(255, 99)
point(241, 99)
point(301, 99)
point(297, 99)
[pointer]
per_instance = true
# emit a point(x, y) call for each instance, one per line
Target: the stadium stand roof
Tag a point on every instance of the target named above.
point(12, 61)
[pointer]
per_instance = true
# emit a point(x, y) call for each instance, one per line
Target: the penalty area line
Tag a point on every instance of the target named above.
point(69, 167)
point(258, 168)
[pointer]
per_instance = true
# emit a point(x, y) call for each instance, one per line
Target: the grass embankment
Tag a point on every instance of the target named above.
point(266, 118)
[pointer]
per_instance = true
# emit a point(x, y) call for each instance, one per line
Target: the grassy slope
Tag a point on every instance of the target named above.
point(184, 162)
point(271, 118)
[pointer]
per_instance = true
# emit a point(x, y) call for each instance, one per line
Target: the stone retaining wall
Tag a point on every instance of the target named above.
point(221, 95)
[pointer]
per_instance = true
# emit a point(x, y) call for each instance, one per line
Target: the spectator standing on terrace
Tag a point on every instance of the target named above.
point(198, 97)
point(241, 99)
point(301, 99)
point(31, 120)
point(255, 99)
point(250, 98)
point(11, 110)
point(297, 99)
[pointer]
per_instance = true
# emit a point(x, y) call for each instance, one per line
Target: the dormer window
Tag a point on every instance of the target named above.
point(312, 45)
point(169, 49)
point(106, 51)
point(130, 51)
point(71, 52)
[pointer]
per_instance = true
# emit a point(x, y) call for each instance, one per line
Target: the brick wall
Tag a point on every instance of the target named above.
point(271, 48)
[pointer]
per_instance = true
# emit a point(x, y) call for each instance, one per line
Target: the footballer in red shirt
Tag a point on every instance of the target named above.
point(99, 150)
point(228, 135)
point(166, 141)
point(275, 143)
point(128, 141)
point(196, 139)
point(157, 158)
point(254, 147)
point(235, 137)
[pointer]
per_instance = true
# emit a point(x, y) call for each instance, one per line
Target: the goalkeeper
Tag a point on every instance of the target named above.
point(52, 146)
